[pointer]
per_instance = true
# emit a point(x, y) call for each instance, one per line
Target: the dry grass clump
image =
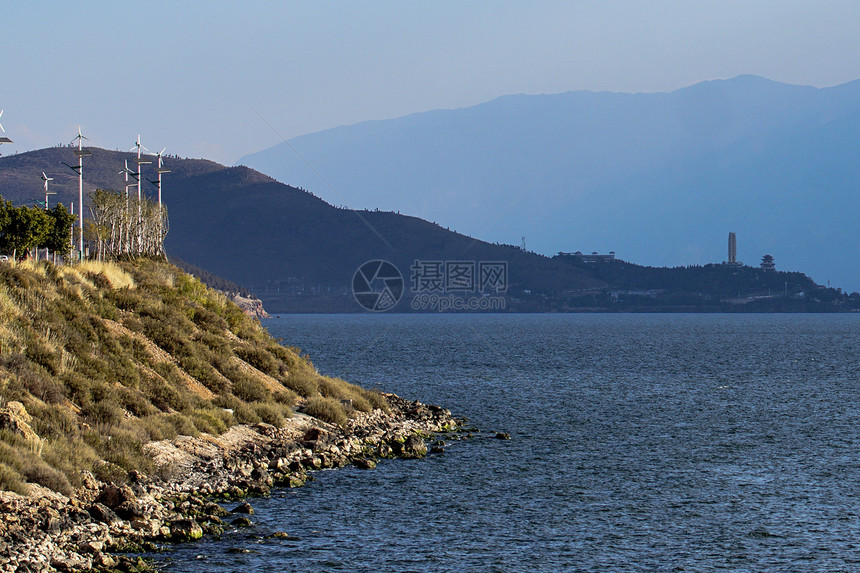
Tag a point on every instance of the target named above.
point(98, 271)
point(362, 400)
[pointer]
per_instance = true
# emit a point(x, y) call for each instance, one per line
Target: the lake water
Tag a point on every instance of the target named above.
point(640, 443)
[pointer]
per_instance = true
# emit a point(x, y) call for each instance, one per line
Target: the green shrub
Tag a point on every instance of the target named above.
point(286, 397)
point(41, 473)
point(208, 320)
point(249, 390)
point(327, 410)
point(269, 413)
point(135, 402)
point(53, 420)
point(182, 424)
point(70, 456)
point(260, 359)
point(10, 480)
point(302, 383)
point(210, 420)
point(106, 412)
point(156, 427)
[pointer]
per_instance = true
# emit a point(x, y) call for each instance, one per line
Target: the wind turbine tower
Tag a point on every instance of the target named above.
point(80, 152)
point(140, 161)
point(45, 179)
point(160, 169)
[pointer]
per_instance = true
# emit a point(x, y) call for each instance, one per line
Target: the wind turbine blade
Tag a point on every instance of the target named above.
point(160, 153)
point(1, 125)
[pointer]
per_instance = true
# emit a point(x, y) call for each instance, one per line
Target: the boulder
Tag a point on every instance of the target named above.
point(101, 512)
point(115, 496)
point(243, 508)
point(185, 530)
point(364, 463)
point(412, 447)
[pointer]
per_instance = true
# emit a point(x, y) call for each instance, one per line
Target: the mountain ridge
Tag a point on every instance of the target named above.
point(601, 170)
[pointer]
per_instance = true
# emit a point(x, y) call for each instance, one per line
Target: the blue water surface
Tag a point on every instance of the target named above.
point(640, 443)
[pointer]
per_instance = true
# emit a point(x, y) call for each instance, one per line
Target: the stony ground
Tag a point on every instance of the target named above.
point(101, 523)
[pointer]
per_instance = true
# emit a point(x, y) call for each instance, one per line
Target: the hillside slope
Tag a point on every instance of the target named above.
point(105, 358)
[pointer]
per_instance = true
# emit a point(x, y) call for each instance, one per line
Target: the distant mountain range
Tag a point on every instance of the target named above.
point(661, 178)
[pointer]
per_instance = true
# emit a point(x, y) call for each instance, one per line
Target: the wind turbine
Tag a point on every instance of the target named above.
point(140, 161)
point(45, 178)
point(159, 169)
point(134, 175)
point(3, 139)
point(80, 153)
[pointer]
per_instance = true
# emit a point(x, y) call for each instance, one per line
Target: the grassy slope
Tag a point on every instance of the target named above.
point(106, 357)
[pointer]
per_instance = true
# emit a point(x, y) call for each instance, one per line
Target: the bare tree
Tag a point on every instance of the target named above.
point(123, 226)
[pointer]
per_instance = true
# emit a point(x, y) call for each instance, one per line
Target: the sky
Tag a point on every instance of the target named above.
point(221, 80)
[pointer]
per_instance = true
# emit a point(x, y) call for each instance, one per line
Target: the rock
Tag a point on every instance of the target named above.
point(243, 508)
point(252, 307)
point(383, 450)
point(102, 513)
point(259, 474)
point(364, 463)
point(315, 435)
point(503, 436)
point(242, 522)
point(437, 450)
point(284, 535)
point(148, 527)
point(185, 530)
point(129, 510)
point(213, 509)
point(104, 560)
point(413, 447)
point(71, 563)
point(94, 546)
point(114, 496)
point(19, 410)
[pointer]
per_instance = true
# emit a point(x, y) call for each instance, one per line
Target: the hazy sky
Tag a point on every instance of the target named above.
point(205, 79)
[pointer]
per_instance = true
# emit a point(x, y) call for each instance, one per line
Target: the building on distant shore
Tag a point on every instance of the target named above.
point(733, 252)
point(767, 263)
point(592, 258)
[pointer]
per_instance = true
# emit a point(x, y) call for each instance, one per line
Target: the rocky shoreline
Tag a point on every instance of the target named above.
point(102, 525)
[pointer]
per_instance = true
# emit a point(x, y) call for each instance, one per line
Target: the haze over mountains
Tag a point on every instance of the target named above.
point(660, 178)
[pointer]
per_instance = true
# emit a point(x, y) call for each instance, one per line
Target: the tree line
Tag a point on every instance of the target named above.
point(25, 228)
point(123, 226)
